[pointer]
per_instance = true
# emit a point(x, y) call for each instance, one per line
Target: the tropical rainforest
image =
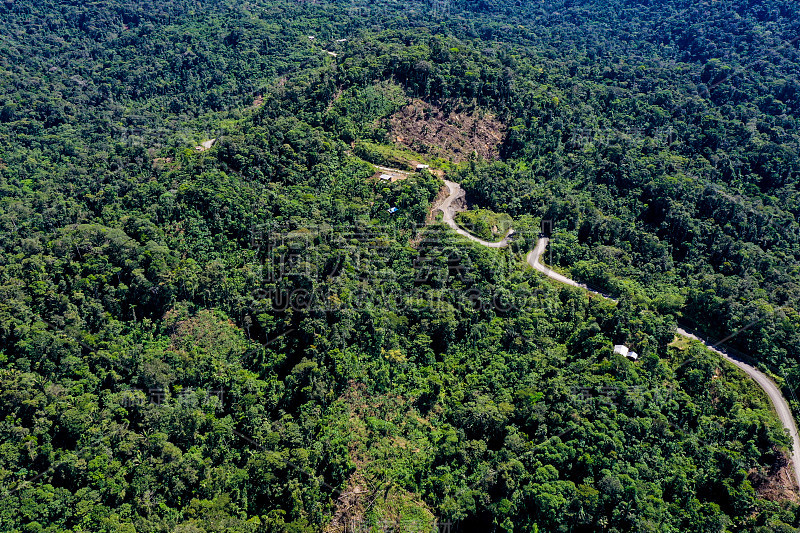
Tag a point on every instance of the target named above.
point(216, 317)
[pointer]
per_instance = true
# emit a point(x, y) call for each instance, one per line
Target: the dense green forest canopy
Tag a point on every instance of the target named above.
point(246, 339)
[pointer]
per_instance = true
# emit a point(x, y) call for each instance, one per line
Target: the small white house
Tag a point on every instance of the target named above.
point(422, 167)
point(386, 177)
point(625, 352)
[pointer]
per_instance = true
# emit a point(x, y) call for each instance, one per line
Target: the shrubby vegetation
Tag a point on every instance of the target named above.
point(485, 223)
point(245, 339)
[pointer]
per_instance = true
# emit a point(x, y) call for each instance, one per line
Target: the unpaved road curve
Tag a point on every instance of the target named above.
point(455, 203)
point(533, 260)
point(774, 393)
point(769, 386)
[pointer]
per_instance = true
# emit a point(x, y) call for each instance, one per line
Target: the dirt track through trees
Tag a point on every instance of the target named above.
point(455, 202)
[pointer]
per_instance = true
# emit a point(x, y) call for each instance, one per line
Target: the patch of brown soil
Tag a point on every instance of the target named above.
point(350, 506)
point(777, 484)
point(444, 192)
point(368, 489)
point(353, 505)
point(455, 135)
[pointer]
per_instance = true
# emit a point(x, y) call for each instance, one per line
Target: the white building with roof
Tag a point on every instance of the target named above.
point(625, 352)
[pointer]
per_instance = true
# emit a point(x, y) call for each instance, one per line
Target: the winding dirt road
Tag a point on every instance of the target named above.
point(455, 202)
point(769, 386)
point(533, 260)
point(772, 390)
